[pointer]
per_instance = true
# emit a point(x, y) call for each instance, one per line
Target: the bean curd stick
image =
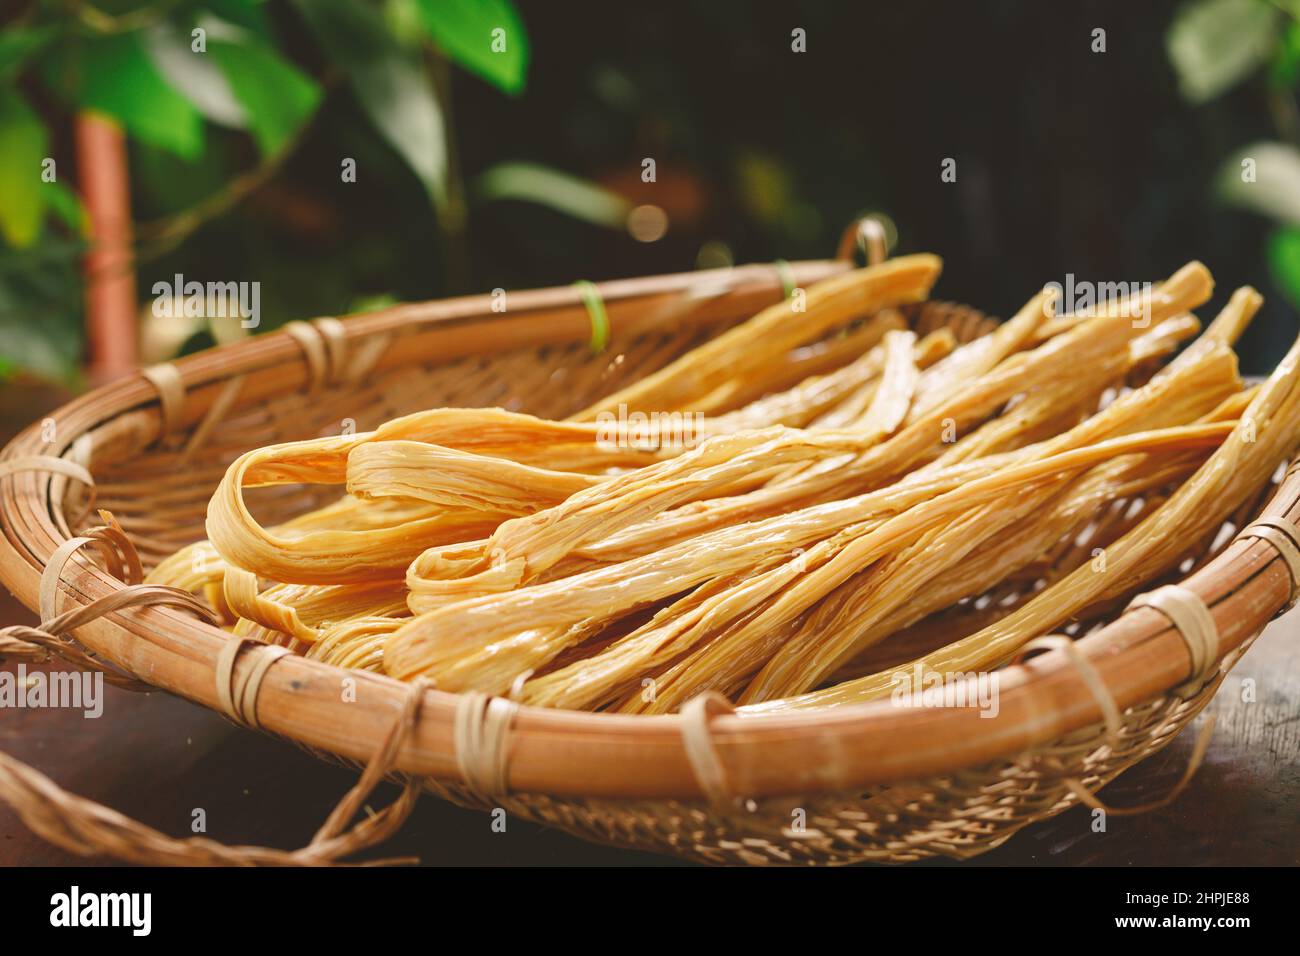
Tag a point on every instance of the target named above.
point(357, 643)
point(981, 356)
point(519, 550)
point(1034, 551)
point(457, 479)
point(498, 432)
point(804, 403)
point(410, 649)
point(1096, 342)
point(339, 555)
point(557, 679)
point(743, 351)
point(741, 389)
point(802, 664)
point(881, 410)
point(658, 643)
point(318, 606)
point(858, 611)
point(821, 358)
point(1267, 435)
point(486, 642)
point(1101, 335)
point(314, 557)
point(844, 614)
point(200, 569)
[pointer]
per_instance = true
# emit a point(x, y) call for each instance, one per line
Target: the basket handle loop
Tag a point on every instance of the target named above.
point(866, 235)
point(59, 466)
point(167, 380)
point(63, 467)
point(324, 344)
point(238, 696)
point(39, 644)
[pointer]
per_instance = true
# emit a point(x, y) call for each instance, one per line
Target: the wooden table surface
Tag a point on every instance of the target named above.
point(157, 758)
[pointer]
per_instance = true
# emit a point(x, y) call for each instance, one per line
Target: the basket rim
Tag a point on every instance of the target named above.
point(1139, 656)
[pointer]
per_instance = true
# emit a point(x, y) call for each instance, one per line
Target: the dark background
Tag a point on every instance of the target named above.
point(1068, 160)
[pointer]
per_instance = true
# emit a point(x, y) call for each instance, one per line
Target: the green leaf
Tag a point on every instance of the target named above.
point(194, 74)
point(549, 187)
point(17, 44)
point(276, 96)
point(1215, 44)
point(1284, 261)
point(114, 75)
point(390, 84)
point(486, 37)
point(1284, 71)
point(1263, 177)
point(23, 145)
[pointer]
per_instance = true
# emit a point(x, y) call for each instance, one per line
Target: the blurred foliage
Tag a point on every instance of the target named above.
point(564, 193)
point(522, 164)
point(1216, 45)
point(195, 84)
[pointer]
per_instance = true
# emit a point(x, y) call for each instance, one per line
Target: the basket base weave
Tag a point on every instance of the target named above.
point(955, 816)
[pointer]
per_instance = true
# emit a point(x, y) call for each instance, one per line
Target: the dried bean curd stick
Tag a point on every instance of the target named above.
point(1267, 434)
point(490, 640)
point(773, 376)
point(801, 405)
point(745, 350)
point(624, 655)
point(550, 639)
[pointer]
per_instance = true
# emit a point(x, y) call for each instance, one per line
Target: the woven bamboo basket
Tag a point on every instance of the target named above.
point(867, 782)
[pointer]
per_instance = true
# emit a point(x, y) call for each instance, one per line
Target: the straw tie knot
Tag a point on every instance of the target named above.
point(237, 690)
point(482, 733)
point(701, 751)
point(1193, 622)
point(1284, 536)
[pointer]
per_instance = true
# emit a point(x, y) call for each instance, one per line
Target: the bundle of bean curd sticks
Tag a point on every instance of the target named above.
point(816, 525)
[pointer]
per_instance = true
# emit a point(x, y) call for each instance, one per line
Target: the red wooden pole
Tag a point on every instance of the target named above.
point(110, 273)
